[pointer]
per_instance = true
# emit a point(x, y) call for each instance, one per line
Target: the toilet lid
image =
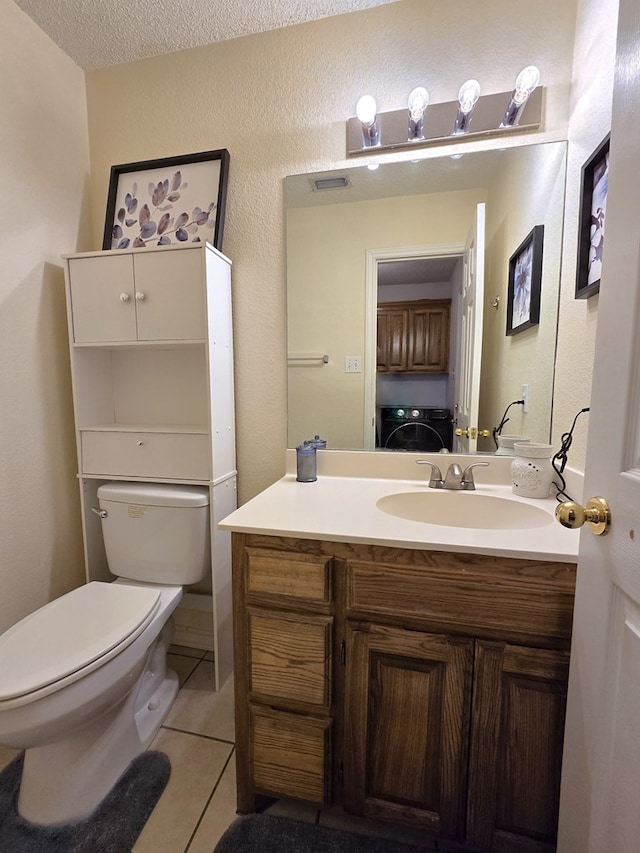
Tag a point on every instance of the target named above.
point(72, 632)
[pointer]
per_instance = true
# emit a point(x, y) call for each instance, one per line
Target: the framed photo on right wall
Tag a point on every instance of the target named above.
point(593, 208)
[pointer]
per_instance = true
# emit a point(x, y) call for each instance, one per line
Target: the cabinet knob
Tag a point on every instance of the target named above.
point(124, 297)
point(139, 296)
point(139, 443)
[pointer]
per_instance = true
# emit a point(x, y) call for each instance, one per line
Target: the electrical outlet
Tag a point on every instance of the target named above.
point(525, 397)
point(352, 364)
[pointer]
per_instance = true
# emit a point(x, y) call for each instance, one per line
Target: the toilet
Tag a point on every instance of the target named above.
point(84, 685)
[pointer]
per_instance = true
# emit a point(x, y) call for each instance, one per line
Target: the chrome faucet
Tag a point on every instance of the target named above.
point(455, 477)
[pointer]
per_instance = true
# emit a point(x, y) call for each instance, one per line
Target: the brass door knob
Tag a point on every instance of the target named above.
point(474, 432)
point(596, 514)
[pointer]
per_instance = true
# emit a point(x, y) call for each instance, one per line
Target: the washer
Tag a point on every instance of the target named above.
point(415, 428)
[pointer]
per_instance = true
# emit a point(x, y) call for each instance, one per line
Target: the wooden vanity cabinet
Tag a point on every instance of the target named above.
point(423, 688)
point(413, 337)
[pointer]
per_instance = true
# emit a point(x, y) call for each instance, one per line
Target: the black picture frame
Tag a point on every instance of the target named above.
point(525, 283)
point(593, 207)
point(171, 200)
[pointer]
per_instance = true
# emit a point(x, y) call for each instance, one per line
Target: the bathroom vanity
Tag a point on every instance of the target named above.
point(404, 671)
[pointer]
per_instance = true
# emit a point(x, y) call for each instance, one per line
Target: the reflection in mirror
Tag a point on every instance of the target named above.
point(397, 295)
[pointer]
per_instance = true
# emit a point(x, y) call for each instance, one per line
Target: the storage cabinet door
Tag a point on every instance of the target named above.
point(170, 295)
point(102, 299)
point(516, 747)
point(406, 726)
point(428, 350)
point(392, 339)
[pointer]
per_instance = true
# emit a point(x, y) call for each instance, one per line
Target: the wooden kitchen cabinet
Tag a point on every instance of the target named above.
point(422, 688)
point(413, 337)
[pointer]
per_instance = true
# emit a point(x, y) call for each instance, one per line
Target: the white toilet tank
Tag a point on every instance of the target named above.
point(156, 533)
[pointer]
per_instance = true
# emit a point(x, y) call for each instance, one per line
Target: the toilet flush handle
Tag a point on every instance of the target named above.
point(102, 513)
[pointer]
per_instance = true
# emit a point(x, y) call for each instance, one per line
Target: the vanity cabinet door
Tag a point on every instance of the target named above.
point(517, 731)
point(407, 706)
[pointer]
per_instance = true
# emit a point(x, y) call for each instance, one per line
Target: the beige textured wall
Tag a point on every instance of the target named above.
point(590, 121)
point(326, 256)
point(279, 102)
point(528, 191)
point(43, 169)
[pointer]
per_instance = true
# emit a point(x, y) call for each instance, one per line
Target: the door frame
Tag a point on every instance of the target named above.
point(373, 258)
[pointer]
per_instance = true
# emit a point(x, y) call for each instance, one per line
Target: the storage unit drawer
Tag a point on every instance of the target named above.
point(292, 576)
point(290, 657)
point(290, 754)
point(146, 454)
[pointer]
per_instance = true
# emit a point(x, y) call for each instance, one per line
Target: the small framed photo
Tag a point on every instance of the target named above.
point(593, 208)
point(172, 200)
point(525, 282)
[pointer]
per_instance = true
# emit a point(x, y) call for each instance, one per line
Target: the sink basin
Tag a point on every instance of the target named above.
point(464, 509)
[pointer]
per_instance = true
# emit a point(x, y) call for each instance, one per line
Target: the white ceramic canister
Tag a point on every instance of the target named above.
point(506, 443)
point(531, 470)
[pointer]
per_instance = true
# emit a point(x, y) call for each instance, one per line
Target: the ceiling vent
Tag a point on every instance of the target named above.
point(336, 183)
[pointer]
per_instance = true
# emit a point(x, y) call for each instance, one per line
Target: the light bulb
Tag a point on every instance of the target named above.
point(366, 110)
point(468, 96)
point(418, 102)
point(373, 166)
point(467, 99)
point(526, 82)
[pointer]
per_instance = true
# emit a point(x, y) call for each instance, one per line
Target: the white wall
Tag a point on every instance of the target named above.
point(43, 171)
point(279, 102)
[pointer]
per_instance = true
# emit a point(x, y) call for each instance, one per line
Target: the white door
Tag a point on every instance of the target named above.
point(468, 394)
point(600, 795)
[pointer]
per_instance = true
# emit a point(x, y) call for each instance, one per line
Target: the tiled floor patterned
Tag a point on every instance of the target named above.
point(199, 801)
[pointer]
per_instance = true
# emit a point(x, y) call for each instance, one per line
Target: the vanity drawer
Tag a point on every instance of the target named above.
point(290, 754)
point(290, 658)
point(183, 456)
point(289, 576)
point(480, 595)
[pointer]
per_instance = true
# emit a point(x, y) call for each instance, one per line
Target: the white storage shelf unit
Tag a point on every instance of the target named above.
point(151, 343)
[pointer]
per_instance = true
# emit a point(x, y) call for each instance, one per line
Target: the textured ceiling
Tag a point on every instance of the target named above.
point(95, 33)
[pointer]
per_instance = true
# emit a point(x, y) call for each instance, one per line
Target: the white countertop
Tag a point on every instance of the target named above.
point(342, 507)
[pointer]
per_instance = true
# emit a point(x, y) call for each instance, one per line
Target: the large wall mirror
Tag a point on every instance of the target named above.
point(397, 298)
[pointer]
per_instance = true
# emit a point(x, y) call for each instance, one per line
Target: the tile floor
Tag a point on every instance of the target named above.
point(199, 801)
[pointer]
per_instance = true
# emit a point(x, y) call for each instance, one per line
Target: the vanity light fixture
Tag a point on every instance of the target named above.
point(366, 110)
point(526, 81)
point(448, 121)
point(467, 99)
point(418, 103)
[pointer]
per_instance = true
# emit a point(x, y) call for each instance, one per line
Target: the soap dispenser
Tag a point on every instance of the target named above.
point(306, 463)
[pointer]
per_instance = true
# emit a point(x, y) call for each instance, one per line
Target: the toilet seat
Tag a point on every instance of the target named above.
point(72, 636)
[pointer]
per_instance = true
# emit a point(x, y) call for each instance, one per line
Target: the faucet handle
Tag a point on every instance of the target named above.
point(467, 481)
point(436, 474)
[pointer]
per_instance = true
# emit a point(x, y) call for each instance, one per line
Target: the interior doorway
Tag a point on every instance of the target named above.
point(411, 276)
